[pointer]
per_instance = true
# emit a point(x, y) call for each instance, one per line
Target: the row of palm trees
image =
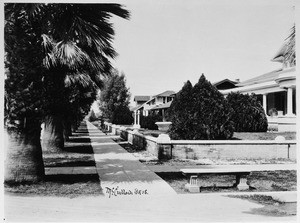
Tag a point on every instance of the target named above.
point(55, 58)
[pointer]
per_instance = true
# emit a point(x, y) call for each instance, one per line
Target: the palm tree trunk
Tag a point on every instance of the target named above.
point(53, 134)
point(67, 130)
point(24, 161)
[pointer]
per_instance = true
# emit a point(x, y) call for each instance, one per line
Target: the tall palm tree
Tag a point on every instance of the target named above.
point(24, 104)
point(78, 45)
point(48, 48)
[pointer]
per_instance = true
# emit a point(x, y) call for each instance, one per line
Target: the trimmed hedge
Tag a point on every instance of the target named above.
point(248, 113)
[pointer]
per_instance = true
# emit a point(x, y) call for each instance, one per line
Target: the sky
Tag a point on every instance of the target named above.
point(167, 42)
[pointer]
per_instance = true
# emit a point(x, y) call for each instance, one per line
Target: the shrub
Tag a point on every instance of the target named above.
point(180, 115)
point(248, 113)
point(200, 112)
point(148, 122)
point(273, 112)
point(211, 112)
point(122, 116)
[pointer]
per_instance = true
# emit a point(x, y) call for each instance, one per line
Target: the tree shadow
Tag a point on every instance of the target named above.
point(80, 140)
point(79, 149)
point(72, 163)
point(72, 178)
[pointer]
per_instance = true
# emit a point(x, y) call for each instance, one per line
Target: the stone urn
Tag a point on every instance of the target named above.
point(163, 126)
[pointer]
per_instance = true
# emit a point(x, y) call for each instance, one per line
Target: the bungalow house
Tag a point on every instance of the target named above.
point(155, 104)
point(276, 90)
point(158, 102)
point(140, 100)
point(226, 84)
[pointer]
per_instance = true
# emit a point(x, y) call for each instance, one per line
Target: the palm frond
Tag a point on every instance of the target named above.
point(290, 52)
point(80, 79)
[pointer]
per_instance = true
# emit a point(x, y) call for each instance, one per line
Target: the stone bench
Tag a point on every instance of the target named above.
point(240, 171)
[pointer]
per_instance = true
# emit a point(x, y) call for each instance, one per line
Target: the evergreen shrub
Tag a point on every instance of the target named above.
point(180, 114)
point(200, 112)
point(148, 122)
point(248, 113)
point(122, 116)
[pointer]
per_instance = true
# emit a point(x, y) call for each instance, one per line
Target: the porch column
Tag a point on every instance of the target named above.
point(289, 102)
point(138, 117)
point(265, 103)
point(135, 117)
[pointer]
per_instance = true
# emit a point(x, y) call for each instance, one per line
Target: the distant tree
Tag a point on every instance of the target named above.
point(248, 113)
point(180, 113)
point(122, 116)
point(92, 116)
point(114, 100)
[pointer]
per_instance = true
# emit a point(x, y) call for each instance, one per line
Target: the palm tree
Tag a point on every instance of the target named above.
point(24, 104)
point(290, 52)
point(77, 45)
point(69, 45)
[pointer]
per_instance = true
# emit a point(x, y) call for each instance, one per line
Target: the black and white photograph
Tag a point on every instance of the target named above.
point(149, 111)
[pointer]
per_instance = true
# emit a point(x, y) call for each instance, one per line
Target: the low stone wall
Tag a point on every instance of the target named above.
point(233, 149)
point(164, 148)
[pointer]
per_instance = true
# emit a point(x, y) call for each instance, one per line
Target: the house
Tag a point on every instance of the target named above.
point(276, 91)
point(140, 100)
point(226, 84)
point(156, 104)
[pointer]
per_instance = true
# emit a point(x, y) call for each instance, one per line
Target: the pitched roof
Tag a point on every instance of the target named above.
point(165, 94)
point(141, 98)
point(135, 108)
point(270, 76)
point(161, 106)
point(225, 80)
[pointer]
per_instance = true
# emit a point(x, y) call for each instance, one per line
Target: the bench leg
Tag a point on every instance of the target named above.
point(241, 182)
point(192, 185)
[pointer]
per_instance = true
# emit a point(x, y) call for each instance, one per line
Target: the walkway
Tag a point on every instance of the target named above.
point(121, 171)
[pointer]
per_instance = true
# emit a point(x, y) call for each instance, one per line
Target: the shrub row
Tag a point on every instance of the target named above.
point(202, 112)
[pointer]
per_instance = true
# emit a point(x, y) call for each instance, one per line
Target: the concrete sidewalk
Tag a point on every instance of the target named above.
point(120, 172)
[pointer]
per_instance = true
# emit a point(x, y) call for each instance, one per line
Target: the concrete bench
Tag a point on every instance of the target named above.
point(240, 171)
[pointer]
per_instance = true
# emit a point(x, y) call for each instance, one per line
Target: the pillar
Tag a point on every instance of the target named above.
point(138, 117)
point(265, 103)
point(289, 102)
point(135, 118)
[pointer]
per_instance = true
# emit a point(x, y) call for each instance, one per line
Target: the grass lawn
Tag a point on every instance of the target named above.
point(61, 185)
